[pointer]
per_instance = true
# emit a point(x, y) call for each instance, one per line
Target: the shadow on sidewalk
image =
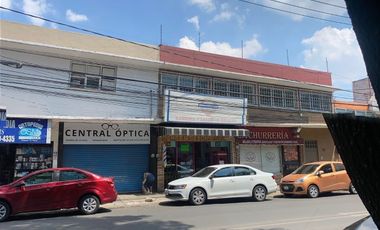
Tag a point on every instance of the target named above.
point(212, 202)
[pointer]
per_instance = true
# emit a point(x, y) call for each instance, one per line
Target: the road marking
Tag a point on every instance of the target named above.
point(303, 220)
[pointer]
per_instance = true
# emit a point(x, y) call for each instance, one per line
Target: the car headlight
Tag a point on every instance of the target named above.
point(301, 180)
point(182, 186)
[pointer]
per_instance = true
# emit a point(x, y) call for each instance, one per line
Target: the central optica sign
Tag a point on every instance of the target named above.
point(196, 108)
point(106, 133)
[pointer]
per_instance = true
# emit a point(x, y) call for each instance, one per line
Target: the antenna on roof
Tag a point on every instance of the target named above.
point(242, 49)
point(327, 65)
point(161, 34)
point(199, 41)
point(287, 56)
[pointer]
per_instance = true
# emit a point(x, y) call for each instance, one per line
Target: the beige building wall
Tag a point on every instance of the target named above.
point(326, 147)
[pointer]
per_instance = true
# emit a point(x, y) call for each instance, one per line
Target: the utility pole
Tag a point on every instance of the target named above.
point(327, 65)
point(199, 41)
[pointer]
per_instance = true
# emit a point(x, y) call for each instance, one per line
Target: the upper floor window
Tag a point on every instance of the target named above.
point(315, 101)
point(91, 76)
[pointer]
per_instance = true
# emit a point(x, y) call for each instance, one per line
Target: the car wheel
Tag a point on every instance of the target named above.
point(313, 191)
point(4, 211)
point(259, 193)
point(352, 189)
point(89, 204)
point(198, 196)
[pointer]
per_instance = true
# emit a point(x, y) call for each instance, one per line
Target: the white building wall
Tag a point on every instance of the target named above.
point(42, 93)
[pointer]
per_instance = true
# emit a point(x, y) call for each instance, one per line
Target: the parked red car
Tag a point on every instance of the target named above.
point(56, 188)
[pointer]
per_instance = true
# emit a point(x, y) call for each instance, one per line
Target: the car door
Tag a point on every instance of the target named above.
point(243, 181)
point(327, 180)
point(69, 188)
point(222, 183)
point(342, 179)
point(38, 194)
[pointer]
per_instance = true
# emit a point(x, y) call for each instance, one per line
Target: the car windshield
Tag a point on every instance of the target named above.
point(204, 172)
point(306, 169)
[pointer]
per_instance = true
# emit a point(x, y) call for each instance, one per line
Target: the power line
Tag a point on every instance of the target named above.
point(295, 13)
point(160, 50)
point(313, 10)
point(329, 4)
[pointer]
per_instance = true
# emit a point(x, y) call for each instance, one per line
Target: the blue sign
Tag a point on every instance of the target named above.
point(25, 131)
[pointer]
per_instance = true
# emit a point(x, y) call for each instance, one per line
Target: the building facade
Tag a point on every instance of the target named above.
point(91, 101)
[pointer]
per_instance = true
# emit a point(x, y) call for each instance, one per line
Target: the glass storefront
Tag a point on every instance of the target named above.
point(186, 158)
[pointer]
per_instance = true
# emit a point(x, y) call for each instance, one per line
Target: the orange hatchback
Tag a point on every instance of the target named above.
point(313, 178)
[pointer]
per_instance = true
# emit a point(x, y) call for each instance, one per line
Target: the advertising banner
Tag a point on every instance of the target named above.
point(106, 133)
point(25, 131)
point(195, 108)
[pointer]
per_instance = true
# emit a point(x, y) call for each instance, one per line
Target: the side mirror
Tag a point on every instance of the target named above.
point(319, 173)
point(211, 177)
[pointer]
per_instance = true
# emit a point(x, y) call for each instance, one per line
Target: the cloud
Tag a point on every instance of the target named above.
point(195, 21)
point(310, 5)
point(251, 47)
point(74, 17)
point(36, 7)
point(207, 5)
point(222, 16)
point(6, 3)
point(340, 47)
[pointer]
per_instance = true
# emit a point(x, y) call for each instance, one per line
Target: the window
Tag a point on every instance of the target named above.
point(169, 81)
point(249, 92)
point(93, 77)
point(220, 88)
point(186, 84)
point(339, 167)
point(40, 178)
point(234, 89)
point(225, 172)
point(277, 98)
point(202, 86)
point(265, 96)
point(327, 168)
point(71, 175)
point(315, 101)
point(242, 171)
point(290, 98)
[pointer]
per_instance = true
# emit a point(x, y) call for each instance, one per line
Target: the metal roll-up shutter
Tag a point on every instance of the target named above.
point(127, 163)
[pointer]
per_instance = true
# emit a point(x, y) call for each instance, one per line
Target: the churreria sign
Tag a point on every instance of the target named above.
point(106, 133)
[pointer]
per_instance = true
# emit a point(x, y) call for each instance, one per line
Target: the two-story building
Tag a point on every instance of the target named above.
point(76, 100)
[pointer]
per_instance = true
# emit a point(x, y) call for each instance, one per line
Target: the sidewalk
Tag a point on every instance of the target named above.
point(135, 200)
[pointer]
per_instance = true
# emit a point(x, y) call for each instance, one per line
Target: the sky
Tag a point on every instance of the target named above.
point(221, 26)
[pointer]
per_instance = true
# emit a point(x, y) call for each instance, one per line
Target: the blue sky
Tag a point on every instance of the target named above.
point(223, 25)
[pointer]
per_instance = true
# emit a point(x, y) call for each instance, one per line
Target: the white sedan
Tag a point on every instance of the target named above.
point(222, 181)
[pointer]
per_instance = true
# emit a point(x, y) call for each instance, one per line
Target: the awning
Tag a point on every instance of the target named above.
point(185, 131)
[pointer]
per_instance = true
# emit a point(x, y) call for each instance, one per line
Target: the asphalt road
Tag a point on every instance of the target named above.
point(331, 211)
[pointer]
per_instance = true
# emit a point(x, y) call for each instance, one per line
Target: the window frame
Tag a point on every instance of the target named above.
point(251, 172)
point(63, 171)
point(229, 167)
point(52, 178)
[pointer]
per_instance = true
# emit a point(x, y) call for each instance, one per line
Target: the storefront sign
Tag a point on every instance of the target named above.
point(106, 133)
point(194, 108)
point(271, 136)
point(25, 131)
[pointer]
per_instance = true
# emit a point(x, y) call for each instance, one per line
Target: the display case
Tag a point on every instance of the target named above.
point(32, 158)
